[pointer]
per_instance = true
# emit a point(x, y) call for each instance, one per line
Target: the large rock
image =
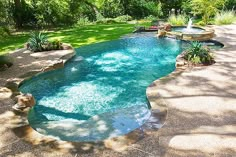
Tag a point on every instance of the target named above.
point(161, 33)
point(5, 93)
point(24, 101)
point(167, 27)
point(180, 61)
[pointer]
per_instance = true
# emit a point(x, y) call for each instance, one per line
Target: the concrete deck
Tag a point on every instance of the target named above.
point(200, 104)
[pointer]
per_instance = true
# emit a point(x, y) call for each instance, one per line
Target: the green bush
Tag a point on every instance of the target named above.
point(54, 45)
point(83, 21)
point(99, 17)
point(201, 23)
point(225, 17)
point(123, 18)
point(119, 19)
point(106, 21)
point(110, 21)
point(197, 54)
point(177, 20)
point(38, 42)
point(151, 18)
point(4, 32)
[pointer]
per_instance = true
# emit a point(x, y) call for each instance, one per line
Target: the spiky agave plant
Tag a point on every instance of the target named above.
point(198, 54)
point(37, 41)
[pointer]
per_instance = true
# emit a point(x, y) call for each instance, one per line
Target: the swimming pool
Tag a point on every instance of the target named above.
point(101, 92)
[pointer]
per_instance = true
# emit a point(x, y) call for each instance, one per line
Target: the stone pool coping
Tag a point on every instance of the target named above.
point(154, 143)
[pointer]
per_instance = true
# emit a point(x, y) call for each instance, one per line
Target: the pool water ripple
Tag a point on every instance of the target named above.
point(106, 81)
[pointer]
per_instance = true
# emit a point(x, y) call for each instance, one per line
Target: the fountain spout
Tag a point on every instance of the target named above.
point(189, 24)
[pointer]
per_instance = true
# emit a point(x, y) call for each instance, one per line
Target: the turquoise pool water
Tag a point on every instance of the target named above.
point(101, 92)
point(185, 30)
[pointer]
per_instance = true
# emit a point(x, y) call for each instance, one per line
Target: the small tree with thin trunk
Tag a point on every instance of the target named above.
point(206, 8)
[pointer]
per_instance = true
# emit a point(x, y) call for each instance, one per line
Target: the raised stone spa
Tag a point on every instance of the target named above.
point(189, 32)
point(198, 33)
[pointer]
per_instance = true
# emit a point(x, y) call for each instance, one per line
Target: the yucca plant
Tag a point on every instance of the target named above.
point(37, 42)
point(197, 54)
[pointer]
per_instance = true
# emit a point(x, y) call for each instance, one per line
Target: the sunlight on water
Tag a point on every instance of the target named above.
point(107, 80)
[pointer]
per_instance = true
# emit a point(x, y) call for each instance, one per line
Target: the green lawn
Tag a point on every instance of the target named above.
point(76, 36)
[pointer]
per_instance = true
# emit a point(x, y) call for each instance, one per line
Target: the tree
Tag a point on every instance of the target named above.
point(3, 12)
point(17, 13)
point(230, 4)
point(141, 8)
point(206, 8)
point(167, 5)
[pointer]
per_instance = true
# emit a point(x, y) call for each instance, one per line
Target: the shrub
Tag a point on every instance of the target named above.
point(123, 18)
point(177, 20)
point(197, 54)
point(54, 45)
point(4, 32)
point(99, 17)
point(224, 17)
point(106, 21)
point(201, 23)
point(83, 21)
point(37, 42)
point(151, 18)
point(110, 21)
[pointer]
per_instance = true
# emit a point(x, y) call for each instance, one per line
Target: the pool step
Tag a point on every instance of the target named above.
point(99, 127)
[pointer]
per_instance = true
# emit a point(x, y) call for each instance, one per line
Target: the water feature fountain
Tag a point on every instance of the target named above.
point(189, 24)
point(188, 29)
point(191, 32)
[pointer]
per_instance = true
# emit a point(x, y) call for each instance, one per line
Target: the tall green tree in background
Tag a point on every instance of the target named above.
point(3, 12)
point(50, 13)
point(230, 4)
point(18, 13)
point(206, 8)
point(168, 5)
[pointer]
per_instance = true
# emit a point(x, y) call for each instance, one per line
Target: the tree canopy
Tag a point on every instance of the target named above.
point(44, 13)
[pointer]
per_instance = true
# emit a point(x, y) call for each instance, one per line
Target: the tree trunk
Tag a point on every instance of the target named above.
point(95, 9)
point(18, 18)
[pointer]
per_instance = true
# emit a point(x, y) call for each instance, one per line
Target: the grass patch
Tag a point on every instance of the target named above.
point(76, 36)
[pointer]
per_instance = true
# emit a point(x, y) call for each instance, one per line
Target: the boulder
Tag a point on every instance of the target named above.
point(66, 46)
point(180, 61)
point(24, 101)
point(161, 33)
point(167, 27)
point(5, 93)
